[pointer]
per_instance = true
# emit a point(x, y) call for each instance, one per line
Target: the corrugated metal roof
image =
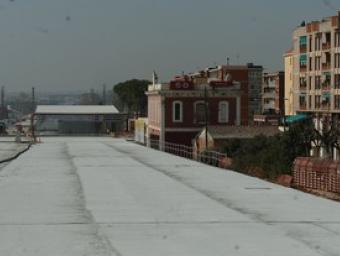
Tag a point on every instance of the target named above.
point(75, 109)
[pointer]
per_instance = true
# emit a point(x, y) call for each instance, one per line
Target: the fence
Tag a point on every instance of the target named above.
point(213, 158)
point(317, 174)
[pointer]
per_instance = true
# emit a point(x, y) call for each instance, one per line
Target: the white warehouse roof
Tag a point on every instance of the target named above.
point(76, 109)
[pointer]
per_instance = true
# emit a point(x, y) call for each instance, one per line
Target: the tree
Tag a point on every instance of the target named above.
point(269, 157)
point(132, 95)
point(328, 137)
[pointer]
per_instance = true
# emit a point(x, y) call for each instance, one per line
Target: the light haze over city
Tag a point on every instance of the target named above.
point(80, 44)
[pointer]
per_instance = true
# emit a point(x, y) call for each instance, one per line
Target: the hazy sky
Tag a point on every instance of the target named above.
point(79, 44)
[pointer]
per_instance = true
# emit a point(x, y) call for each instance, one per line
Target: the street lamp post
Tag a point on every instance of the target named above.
point(206, 116)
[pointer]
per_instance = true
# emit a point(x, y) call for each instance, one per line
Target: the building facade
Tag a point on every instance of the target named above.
point(273, 91)
point(177, 111)
point(250, 77)
point(289, 87)
point(78, 120)
point(316, 71)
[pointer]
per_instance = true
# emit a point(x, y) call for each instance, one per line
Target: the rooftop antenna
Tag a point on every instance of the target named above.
point(228, 61)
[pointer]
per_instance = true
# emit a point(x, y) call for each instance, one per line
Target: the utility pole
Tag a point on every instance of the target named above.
point(206, 116)
point(3, 112)
point(33, 115)
point(33, 99)
point(104, 94)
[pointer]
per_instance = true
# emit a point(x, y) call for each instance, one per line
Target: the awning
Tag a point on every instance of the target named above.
point(295, 118)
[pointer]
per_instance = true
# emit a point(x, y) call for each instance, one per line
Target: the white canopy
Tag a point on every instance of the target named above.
point(76, 109)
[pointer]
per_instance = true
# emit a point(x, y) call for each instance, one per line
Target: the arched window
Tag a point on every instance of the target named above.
point(177, 111)
point(200, 112)
point(223, 112)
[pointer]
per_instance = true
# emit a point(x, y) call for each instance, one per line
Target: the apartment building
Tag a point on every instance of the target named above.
point(316, 70)
point(273, 93)
point(250, 77)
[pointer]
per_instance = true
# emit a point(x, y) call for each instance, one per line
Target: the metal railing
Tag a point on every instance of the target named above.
point(209, 157)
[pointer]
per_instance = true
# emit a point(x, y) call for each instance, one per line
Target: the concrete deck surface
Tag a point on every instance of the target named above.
point(104, 196)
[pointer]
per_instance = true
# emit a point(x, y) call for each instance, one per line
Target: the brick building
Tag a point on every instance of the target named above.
point(177, 111)
point(249, 76)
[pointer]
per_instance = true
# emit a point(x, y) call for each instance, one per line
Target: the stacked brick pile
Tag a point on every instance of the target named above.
point(317, 174)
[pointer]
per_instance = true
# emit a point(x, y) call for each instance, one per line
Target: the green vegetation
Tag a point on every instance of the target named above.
point(269, 157)
point(131, 93)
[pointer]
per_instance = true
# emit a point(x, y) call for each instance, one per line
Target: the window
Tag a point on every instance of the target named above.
point(317, 63)
point(337, 39)
point(317, 101)
point(337, 81)
point(302, 101)
point(199, 110)
point(303, 43)
point(303, 60)
point(310, 63)
point(325, 100)
point(223, 112)
point(337, 101)
point(317, 82)
point(318, 42)
point(303, 40)
point(303, 83)
point(177, 111)
point(337, 60)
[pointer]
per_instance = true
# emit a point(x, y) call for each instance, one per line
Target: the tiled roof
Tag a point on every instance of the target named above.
point(229, 132)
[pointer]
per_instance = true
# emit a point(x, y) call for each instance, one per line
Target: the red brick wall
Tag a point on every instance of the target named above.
point(317, 174)
point(188, 112)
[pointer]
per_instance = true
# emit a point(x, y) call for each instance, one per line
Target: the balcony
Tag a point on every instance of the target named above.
point(268, 95)
point(303, 106)
point(303, 48)
point(326, 106)
point(326, 66)
point(303, 86)
point(303, 68)
point(326, 86)
point(269, 105)
point(326, 46)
